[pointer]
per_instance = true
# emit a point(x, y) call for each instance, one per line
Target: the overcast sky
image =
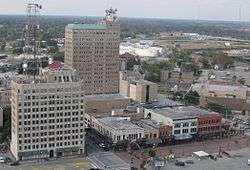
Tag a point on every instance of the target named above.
point(173, 9)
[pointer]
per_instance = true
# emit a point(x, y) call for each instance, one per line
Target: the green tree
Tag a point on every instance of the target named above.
point(220, 109)
point(131, 62)
point(153, 70)
point(222, 59)
point(242, 81)
point(17, 51)
point(5, 131)
point(151, 153)
point(3, 45)
point(59, 56)
point(192, 97)
point(205, 62)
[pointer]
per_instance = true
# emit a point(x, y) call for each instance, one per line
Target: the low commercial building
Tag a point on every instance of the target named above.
point(133, 112)
point(105, 103)
point(139, 90)
point(231, 96)
point(187, 121)
point(211, 125)
point(224, 90)
point(143, 91)
point(153, 130)
point(183, 122)
point(176, 74)
point(177, 80)
point(118, 128)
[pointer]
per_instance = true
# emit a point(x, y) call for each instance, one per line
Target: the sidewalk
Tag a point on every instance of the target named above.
point(51, 160)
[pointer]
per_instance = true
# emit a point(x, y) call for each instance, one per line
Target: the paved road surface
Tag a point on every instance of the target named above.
point(63, 164)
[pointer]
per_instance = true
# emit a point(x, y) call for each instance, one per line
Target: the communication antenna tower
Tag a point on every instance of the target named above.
point(240, 12)
point(31, 32)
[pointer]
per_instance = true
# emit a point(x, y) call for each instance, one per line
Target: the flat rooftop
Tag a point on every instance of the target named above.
point(163, 101)
point(105, 97)
point(147, 124)
point(119, 123)
point(223, 87)
point(183, 112)
point(78, 26)
point(143, 82)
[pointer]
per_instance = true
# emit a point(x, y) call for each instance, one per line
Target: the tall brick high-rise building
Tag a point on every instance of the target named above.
point(93, 50)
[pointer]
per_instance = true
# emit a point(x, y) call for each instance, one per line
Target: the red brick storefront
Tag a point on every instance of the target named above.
point(208, 124)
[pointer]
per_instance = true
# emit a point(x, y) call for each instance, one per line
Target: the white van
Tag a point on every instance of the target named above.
point(2, 160)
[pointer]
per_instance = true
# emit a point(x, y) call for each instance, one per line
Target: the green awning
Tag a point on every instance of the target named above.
point(183, 136)
point(153, 141)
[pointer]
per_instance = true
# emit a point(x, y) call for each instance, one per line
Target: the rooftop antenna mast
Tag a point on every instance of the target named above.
point(198, 10)
point(240, 12)
point(31, 33)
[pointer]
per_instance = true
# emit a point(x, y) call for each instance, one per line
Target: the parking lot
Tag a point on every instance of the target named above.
point(238, 161)
point(185, 150)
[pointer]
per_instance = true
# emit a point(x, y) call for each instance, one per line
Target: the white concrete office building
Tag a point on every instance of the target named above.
point(47, 115)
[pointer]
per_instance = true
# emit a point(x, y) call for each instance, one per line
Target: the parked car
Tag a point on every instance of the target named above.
point(189, 162)
point(212, 157)
point(8, 160)
point(15, 163)
point(103, 146)
point(180, 163)
point(2, 160)
point(248, 162)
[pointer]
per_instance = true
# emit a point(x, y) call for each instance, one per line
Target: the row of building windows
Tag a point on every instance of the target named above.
point(72, 131)
point(209, 121)
point(50, 102)
point(52, 121)
point(44, 109)
point(44, 97)
point(50, 139)
point(50, 145)
point(186, 124)
point(51, 90)
point(45, 115)
point(185, 131)
point(210, 128)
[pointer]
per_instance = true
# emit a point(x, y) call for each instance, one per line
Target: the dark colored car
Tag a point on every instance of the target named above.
point(8, 160)
point(14, 163)
point(212, 157)
point(179, 163)
point(189, 162)
point(103, 146)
